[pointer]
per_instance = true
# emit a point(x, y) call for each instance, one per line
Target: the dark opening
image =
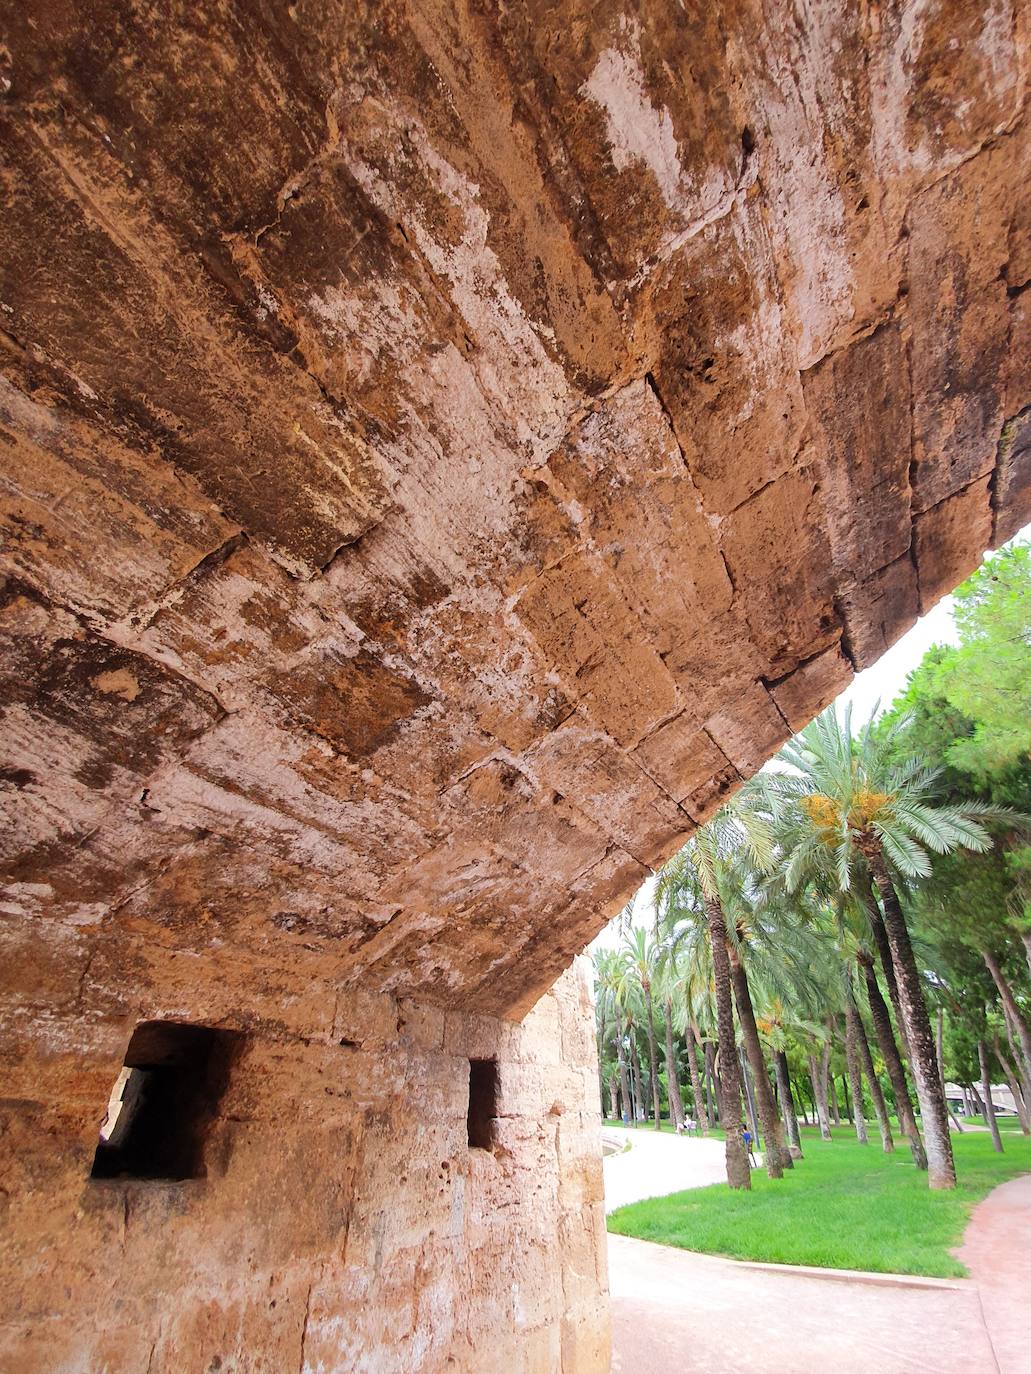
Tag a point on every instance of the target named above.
point(163, 1102)
point(483, 1103)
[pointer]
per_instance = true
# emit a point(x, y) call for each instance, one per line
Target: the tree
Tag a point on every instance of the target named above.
point(852, 799)
point(609, 975)
point(988, 675)
point(694, 876)
point(638, 961)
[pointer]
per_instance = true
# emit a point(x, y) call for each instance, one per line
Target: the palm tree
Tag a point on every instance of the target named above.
point(667, 987)
point(683, 982)
point(609, 974)
point(852, 799)
point(699, 871)
point(639, 956)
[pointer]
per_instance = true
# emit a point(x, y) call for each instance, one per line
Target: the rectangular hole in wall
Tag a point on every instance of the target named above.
point(164, 1101)
point(483, 1103)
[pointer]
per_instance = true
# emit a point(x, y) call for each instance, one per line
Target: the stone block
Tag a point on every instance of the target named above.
point(950, 539)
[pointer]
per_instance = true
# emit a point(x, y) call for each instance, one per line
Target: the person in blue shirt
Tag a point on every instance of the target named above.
point(746, 1136)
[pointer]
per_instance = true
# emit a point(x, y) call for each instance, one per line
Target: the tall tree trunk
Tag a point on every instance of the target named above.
point(712, 1085)
point(653, 1057)
point(623, 1083)
point(1025, 936)
point(1012, 1040)
point(778, 1157)
point(758, 1141)
point(820, 1096)
point(989, 1105)
point(738, 1172)
point(892, 1060)
point(787, 1105)
point(883, 947)
point(1016, 1093)
point(880, 1107)
point(855, 1077)
point(940, 1164)
point(1011, 1008)
point(701, 1110)
point(635, 1074)
point(939, 1048)
point(676, 1105)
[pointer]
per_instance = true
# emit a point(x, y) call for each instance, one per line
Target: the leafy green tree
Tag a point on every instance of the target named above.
point(988, 675)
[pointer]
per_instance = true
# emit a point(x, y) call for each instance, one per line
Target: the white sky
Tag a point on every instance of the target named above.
point(880, 683)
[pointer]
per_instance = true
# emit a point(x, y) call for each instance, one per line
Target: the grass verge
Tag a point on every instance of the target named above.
point(845, 1206)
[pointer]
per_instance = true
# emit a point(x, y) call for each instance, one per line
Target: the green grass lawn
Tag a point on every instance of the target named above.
point(845, 1206)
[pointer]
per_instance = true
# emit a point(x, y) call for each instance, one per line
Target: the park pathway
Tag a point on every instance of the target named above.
point(658, 1164)
point(997, 1250)
point(678, 1310)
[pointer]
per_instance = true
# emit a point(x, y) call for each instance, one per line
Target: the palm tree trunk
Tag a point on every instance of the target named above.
point(989, 1105)
point(1009, 1003)
point(700, 1109)
point(778, 1157)
point(623, 1084)
point(635, 1074)
point(880, 1107)
point(712, 1085)
point(738, 1173)
point(892, 1060)
point(653, 1058)
point(1025, 936)
point(1015, 1090)
point(820, 1097)
point(787, 1105)
point(939, 1044)
point(880, 939)
point(676, 1105)
point(855, 1077)
point(758, 1140)
point(940, 1163)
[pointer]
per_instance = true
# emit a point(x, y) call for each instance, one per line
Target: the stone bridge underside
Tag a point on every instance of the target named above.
point(446, 447)
point(443, 449)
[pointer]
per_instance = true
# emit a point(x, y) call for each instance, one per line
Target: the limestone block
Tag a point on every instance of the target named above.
point(947, 540)
point(802, 695)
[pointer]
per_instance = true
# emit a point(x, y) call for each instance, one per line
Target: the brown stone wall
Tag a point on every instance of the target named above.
point(344, 1224)
point(444, 448)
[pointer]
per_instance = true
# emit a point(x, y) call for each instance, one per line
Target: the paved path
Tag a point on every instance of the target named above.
point(997, 1250)
point(676, 1310)
point(658, 1164)
point(690, 1312)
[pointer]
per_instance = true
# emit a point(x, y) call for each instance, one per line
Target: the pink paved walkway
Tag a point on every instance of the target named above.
point(677, 1310)
point(997, 1250)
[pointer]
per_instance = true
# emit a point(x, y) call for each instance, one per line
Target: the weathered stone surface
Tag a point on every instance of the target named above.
point(473, 387)
point(338, 1180)
point(443, 449)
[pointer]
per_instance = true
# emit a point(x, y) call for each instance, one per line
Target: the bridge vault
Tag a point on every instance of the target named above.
point(443, 449)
